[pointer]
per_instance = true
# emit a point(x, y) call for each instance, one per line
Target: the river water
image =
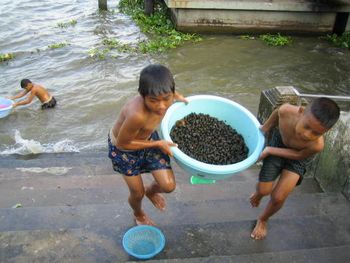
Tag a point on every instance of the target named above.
point(90, 92)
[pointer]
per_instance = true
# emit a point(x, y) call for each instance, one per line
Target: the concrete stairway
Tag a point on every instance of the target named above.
point(74, 209)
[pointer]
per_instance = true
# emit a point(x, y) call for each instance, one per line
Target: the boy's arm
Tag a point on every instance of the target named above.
point(26, 101)
point(180, 97)
point(292, 153)
point(19, 95)
point(271, 122)
point(128, 132)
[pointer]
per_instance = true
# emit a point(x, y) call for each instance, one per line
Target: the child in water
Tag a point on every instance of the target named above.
point(297, 137)
point(37, 90)
point(134, 145)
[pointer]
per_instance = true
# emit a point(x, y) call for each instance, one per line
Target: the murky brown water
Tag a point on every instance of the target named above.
point(90, 92)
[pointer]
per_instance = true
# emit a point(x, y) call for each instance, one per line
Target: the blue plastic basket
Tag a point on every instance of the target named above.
point(6, 107)
point(143, 241)
point(226, 110)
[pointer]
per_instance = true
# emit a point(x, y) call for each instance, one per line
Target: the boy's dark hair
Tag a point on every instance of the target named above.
point(24, 83)
point(155, 80)
point(325, 110)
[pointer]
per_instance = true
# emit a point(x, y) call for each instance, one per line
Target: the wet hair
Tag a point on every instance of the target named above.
point(325, 110)
point(155, 80)
point(24, 83)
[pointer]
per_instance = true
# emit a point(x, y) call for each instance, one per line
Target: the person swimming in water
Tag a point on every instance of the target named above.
point(33, 89)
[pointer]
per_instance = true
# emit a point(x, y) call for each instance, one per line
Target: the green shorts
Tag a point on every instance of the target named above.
point(273, 165)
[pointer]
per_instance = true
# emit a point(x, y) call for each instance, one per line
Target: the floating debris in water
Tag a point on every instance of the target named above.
point(17, 206)
point(209, 140)
point(7, 56)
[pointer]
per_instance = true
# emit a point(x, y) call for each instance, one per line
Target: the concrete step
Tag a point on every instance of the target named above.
point(55, 170)
point(320, 255)
point(45, 190)
point(184, 241)
point(53, 159)
point(80, 215)
point(63, 164)
point(88, 179)
point(177, 213)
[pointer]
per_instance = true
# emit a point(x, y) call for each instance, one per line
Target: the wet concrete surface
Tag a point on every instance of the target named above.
point(73, 208)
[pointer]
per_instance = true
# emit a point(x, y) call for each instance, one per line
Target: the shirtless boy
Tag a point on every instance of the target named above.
point(37, 90)
point(299, 136)
point(134, 144)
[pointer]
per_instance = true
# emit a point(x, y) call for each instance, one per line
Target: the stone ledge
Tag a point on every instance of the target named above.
point(263, 5)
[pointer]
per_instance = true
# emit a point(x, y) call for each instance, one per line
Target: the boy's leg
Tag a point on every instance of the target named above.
point(283, 188)
point(271, 169)
point(262, 189)
point(137, 193)
point(164, 183)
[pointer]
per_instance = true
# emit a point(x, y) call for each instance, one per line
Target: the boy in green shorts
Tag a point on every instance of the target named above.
point(298, 137)
point(134, 144)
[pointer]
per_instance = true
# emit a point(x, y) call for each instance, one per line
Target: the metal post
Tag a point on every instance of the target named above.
point(102, 4)
point(149, 8)
point(342, 101)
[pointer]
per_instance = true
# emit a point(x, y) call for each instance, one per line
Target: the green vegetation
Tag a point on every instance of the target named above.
point(276, 40)
point(6, 56)
point(161, 31)
point(113, 43)
point(270, 39)
point(58, 45)
point(96, 53)
point(339, 41)
point(17, 206)
point(71, 22)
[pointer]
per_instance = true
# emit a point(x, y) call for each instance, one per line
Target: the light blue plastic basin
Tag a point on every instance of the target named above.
point(143, 242)
point(5, 107)
point(223, 109)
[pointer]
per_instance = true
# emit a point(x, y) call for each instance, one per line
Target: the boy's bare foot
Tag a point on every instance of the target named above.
point(260, 230)
point(144, 220)
point(255, 200)
point(157, 200)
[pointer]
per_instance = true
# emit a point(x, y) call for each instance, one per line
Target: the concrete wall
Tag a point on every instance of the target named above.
point(267, 5)
point(298, 16)
point(241, 21)
point(331, 167)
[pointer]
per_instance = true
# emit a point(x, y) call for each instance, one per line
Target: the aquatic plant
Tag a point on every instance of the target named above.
point(161, 30)
point(71, 22)
point(342, 41)
point(97, 53)
point(276, 40)
point(58, 45)
point(6, 56)
point(113, 43)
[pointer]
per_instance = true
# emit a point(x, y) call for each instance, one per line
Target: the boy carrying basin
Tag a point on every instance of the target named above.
point(296, 135)
point(134, 144)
